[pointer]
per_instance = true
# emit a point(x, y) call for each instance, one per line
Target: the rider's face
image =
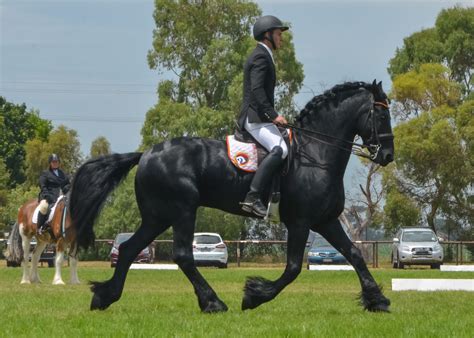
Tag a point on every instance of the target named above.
point(54, 164)
point(277, 38)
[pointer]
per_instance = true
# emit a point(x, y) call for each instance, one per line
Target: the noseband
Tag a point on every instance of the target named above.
point(373, 144)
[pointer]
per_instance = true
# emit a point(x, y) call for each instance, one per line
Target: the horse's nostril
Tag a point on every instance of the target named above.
point(389, 157)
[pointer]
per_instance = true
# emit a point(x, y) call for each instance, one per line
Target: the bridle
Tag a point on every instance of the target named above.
point(373, 144)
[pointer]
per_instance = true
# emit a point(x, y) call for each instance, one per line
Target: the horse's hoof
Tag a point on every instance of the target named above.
point(215, 306)
point(98, 304)
point(380, 307)
point(24, 281)
point(58, 282)
point(248, 303)
point(257, 290)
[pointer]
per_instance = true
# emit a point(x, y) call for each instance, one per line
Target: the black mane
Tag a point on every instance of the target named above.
point(331, 94)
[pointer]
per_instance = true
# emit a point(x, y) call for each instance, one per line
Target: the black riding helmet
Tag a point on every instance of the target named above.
point(53, 157)
point(265, 24)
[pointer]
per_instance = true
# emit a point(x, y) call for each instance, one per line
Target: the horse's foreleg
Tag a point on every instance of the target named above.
point(371, 296)
point(25, 243)
point(73, 264)
point(108, 292)
point(259, 290)
point(35, 257)
point(183, 233)
point(58, 263)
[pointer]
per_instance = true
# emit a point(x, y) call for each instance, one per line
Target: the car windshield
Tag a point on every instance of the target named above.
point(319, 242)
point(419, 236)
point(206, 239)
point(122, 238)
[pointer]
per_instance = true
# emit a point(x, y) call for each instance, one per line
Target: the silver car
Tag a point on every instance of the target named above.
point(416, 246)
point(209, 249)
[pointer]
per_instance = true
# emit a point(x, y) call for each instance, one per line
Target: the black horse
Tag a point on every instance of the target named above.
point(177, 176)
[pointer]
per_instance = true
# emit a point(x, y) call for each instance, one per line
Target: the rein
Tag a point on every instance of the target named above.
point(356, 148)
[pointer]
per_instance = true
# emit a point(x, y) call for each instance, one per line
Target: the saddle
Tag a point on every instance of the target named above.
point(246, 153)
point(51, 212)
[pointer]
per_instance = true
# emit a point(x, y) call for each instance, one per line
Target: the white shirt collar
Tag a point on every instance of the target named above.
point(268, 50)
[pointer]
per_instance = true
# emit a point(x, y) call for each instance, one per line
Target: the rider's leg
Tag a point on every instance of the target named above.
point(268, 135)
point(260, 181)
point(42, 216)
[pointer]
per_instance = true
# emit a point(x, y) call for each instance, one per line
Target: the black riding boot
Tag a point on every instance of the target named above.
point(262, 177)
point(41, 225)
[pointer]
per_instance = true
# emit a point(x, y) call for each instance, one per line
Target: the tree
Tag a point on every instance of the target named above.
point(400, 210)
point(450, 42)
point(100, 146)
point(62, 141)
point(364, 209)
point(433, 163)
point(17, 125)
point(423, 89)
point(208, 62)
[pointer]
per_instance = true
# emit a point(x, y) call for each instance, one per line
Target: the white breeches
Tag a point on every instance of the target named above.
point(268, 135)
point(43, 207)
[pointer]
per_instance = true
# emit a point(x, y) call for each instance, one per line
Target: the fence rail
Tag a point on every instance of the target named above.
point(376, 253)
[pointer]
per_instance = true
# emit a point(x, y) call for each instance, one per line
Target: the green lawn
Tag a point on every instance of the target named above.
point(162, 304)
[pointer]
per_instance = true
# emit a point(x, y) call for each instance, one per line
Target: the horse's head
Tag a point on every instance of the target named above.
point(375, 128)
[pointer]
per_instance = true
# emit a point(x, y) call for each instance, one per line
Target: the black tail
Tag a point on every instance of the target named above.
point(14, 252)
point(92, 183)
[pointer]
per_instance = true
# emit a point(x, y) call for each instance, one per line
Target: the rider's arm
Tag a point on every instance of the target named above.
point(66, 185)
point(44, 191)
point(258, 73)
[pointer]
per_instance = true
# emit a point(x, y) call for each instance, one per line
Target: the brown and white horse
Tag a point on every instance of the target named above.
point(61, 233)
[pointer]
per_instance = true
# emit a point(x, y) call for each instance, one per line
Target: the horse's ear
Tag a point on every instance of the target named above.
point(374, 83)
point(380, 85)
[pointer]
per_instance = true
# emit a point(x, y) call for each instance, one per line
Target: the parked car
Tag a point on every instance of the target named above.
point(416, 246)
point(321, 252)
point(147, 255)
point(209, 250)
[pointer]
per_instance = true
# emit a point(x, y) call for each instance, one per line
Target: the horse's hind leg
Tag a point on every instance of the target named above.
point(35, 257)
point(25, 243)
point(183, 233)
point(371, 296)
point(108, 292)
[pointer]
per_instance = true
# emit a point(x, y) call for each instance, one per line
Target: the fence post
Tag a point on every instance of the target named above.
point(457, 253)
point(238, 254)
point(460, 243)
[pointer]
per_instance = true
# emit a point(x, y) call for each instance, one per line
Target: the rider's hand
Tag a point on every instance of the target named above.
point(280, 120)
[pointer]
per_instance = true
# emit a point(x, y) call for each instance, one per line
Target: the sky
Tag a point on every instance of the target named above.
point(82, 63)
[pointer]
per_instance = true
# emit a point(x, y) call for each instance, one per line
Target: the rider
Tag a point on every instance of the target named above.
point(52, 182)
point(258, 115)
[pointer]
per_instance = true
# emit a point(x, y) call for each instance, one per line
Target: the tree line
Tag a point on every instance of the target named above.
point(432, 106)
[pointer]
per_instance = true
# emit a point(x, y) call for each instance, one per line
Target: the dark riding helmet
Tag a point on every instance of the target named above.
point(53, 157)
point(265, 24)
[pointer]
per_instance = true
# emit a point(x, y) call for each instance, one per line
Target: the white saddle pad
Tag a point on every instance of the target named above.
point(51, 214)
point(243, 155)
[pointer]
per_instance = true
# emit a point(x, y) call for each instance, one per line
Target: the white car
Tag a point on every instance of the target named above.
point(209, 250)
point(417, 246)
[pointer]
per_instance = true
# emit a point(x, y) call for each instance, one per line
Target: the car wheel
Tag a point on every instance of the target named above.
point(436, 266)
point(112, 265)
point(223, 266)
point(400, 265)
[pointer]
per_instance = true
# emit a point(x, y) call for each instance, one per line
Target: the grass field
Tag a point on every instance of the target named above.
point(162, 304)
